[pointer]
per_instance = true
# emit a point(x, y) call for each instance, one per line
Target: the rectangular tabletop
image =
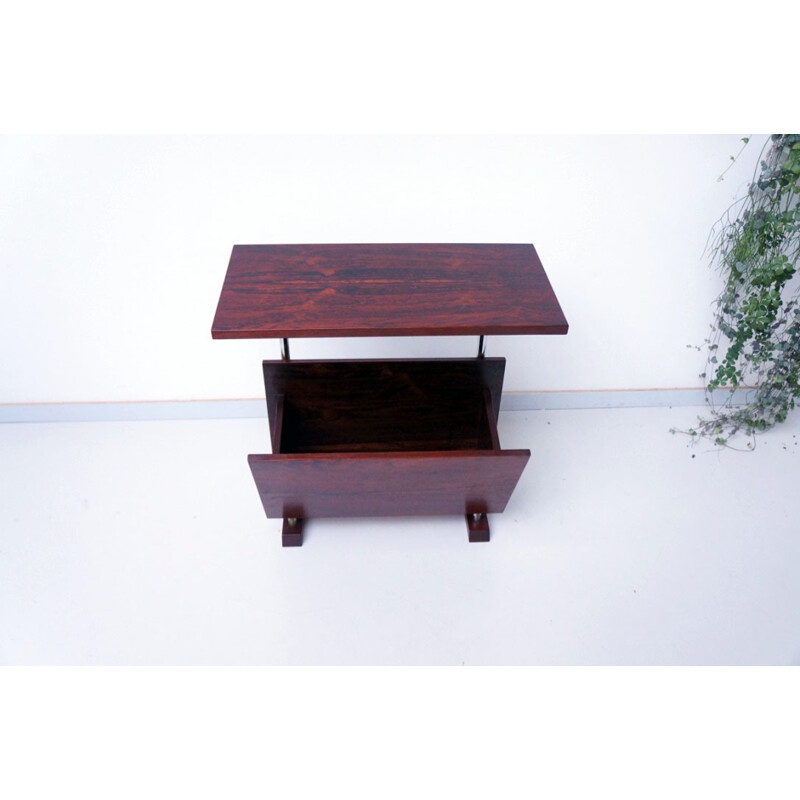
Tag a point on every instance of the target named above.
point(305, 290)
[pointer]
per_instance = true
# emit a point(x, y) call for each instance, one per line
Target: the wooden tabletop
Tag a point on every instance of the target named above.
point(305, 290)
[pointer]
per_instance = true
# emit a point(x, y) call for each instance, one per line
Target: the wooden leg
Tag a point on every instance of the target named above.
point(292, 533)
point(478, 527)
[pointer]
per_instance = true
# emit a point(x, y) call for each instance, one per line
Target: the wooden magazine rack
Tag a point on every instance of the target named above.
point(385, 437)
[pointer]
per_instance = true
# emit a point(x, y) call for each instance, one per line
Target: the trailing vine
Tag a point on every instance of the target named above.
point(755, 339)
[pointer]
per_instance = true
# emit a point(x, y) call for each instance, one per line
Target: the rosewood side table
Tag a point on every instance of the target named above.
point(385, 437)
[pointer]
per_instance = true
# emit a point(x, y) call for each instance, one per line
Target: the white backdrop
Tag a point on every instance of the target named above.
point(114, 249)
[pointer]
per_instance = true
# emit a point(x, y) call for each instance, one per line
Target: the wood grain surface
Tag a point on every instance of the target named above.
point(386, 484)
point(331, 290)
point(385, 438)
point(383, 405)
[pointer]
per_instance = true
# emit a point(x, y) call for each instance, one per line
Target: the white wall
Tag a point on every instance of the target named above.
point(113, 250)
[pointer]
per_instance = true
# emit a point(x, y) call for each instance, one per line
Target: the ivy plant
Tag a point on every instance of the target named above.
point(754, 344)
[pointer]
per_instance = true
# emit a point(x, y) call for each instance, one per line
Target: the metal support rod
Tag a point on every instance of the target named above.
point(284, 349)
point(481, 346)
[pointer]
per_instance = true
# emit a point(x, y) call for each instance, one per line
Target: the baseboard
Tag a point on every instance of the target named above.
point(612, 398)
point(232, 409)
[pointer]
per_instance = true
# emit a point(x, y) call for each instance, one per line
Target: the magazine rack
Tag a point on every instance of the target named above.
point(385, 437)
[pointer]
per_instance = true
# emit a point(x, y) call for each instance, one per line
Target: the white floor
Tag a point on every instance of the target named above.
point(145, 543)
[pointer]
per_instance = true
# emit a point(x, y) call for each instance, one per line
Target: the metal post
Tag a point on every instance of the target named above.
point(481, 346)
point(284, 349)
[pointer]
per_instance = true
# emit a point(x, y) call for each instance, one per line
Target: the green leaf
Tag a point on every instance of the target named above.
point(758, 312)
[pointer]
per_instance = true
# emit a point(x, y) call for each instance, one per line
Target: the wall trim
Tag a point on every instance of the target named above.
point(235, 409)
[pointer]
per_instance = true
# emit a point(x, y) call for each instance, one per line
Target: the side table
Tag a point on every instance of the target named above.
point(394, 437)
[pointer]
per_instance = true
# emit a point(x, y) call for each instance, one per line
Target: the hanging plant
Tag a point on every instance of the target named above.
point(755, 339)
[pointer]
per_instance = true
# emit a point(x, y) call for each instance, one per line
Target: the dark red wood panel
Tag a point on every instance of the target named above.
point(283, 291)
point(387, 484)
point(382, 405)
